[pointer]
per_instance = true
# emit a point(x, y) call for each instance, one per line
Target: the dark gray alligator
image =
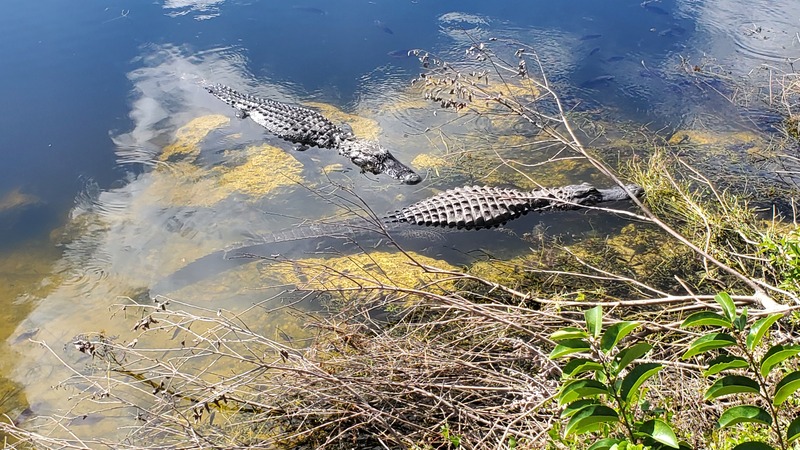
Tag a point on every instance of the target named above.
point(309, 128)
point(467, 208)
point(472, 208)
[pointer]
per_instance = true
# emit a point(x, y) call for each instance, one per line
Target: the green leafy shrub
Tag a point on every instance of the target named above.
point(601, 391)
point(737, 370)
point(783, 252)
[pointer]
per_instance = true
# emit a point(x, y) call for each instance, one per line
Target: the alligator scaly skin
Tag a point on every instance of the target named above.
point(469, 208)
point(476, 207)
point(307, 127)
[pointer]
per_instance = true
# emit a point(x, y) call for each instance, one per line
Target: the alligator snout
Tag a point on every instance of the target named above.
point(400, 171)
point(373, 158)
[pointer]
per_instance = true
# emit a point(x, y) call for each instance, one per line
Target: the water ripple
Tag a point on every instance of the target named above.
point(761, 30)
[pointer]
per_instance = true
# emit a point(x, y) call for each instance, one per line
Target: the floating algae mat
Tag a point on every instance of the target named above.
point(16, 199)
point(371, 271)
point(188, 137)
point(266, 169)
point(182, 181)
point(362, 127)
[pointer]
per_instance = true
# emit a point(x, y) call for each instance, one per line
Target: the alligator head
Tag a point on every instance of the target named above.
point(371, 157)
point(616, 193)
point(587, 195)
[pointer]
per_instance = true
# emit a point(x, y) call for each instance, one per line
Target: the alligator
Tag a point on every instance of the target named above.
point(308, 128)
point(463, 208)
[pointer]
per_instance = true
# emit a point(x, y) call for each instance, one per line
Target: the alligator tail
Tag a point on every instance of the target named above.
point(241, 102)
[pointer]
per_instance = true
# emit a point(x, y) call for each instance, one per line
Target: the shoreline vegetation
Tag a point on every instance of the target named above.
point(665, 335)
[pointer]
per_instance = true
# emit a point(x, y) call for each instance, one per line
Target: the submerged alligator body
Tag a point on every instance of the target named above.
point(309, 128)
point(466, 208)
point(469, 208)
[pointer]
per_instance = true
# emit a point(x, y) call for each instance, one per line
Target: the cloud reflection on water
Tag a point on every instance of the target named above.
point(201, 9)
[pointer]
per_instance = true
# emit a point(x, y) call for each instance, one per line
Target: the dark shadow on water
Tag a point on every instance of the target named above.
point(455, 247)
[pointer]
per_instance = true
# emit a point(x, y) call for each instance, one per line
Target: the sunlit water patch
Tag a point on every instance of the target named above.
point(198, 9)
point(744, 34)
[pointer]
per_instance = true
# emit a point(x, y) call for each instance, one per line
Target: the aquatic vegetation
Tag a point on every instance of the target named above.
point(708, 138)
point(25, 274)
point(181, 182)
point(266, 168)
point(792, 124)
point(405, 103)
point(362, 127)
point(331, 168)
point(189, 136)
point(184, 183)
point(430, 162)
point(379, 270)
point(17, 199)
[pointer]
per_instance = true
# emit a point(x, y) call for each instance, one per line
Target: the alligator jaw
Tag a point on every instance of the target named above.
point(616, 193)
point(399, 171)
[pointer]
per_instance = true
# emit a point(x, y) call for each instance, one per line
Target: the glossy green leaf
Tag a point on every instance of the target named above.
point(660, 432)
point(576, 406)
point(590, 418)
point(580, 389)
point(744, 413)
point(569, 333)
point(577, 366)
point(636, 377)
point(604, 444)
point(776, 355)
point(793, 430)
point(752, 445)
point(616, 333)
point(740, 322)
point(594, 320)
point(706, 318)
point(731, 384)
point(759, 328)
point(728, 307)
point(724, 362)
point(568, 347)
point(786, 387)
point(631, 353)
point(708, 342)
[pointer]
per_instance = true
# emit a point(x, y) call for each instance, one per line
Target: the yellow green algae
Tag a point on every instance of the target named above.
point(332, 168)
point(349, 272)
point(431, 163)
point(266, 169)
point(708, 137)
point(181, 182)
point(123, 242)
point(637, 251)
point(25, 274)
point(722, 143)
point(380, 268)
point(502, 156)
point(189, 136)
point(16, 199)
point(362, 127)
